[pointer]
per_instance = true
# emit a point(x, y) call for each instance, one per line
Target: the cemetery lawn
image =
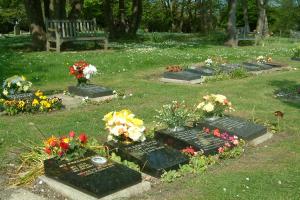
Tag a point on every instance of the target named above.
point(270, 171)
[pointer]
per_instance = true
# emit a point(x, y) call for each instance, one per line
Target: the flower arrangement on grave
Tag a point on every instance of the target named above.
point(174, 68)
point(263, 59)
point(214, 105)
point(83, 71)
point(231, 142)
point(40, 103)
point(67, 147)
point(15, 85)
point(123, 126)
point(208, 62)
point(174, 115)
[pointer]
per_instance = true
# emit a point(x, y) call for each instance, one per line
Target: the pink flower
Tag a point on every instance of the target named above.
point(189, 150)
point(227, 144)
point(206, 130)
point(235, 142)
point(72, 134)
point(221, 150)
point(217, 132)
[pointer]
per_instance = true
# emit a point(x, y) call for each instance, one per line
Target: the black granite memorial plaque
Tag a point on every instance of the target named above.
point(153, 157)
point(204, 71)
point(182, 75)
point(256, 66)
point(235, 126)
point(96, 180)
point(227, 68)
point(21, 96)
point(275, 64)
point(91, 91)
point(295, 59)
point(194, 137)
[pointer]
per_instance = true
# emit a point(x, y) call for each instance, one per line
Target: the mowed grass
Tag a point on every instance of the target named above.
point(134, 68)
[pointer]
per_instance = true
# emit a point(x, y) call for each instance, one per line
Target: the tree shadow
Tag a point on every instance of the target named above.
point(287, 91)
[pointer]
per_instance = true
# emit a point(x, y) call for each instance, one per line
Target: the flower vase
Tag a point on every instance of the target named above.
point(176, 129)
point(212, 118)
point(81, 82)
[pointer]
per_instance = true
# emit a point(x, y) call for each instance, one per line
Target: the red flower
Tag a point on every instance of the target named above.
point(72, 70)
point(189, 150)
point(226, 102)
point(206, 130)
point(83, 138)
point(217, 133)
point(47, 150)
point(80, 75)
point(53, 143)
point(65, 146)
point(60, 153)
point(72, 134)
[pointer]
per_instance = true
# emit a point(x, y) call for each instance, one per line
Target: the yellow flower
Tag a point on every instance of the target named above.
point(45, 104)
point(23, 78)
point(35, 102)
point(43, 97)
point(21, 104)
point(38, 93)
point(108, 116)
point(66, 140)
point(50, 141)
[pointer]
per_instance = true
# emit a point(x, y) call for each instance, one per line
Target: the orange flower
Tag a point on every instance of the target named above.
point(52, 141)
point(217, 132)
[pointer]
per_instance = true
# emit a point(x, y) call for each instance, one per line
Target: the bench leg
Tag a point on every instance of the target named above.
point(58, 46)
point(48, 46)
point(105, 44)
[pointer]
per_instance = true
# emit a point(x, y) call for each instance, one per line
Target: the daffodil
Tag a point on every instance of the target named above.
point(21, 104)
point(35, 102)
point(38, 93)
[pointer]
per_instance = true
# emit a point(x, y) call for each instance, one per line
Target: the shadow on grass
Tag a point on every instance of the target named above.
point(287, 91)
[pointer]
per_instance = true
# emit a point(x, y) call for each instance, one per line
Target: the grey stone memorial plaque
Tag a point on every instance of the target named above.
point(235, 126)
point(91, 91)
point(21, 96)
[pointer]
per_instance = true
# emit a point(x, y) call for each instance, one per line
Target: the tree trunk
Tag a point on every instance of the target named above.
point(262, 20)
point(109, 19)
point(122, 17)
point(76, 8)
point(231, 25)
point(46, 9)
point(57, 9)
point(137, 11)
point(245, 12)
point(35, 16)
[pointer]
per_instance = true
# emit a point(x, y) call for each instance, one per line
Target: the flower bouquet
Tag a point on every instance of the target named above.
point(83, 71)
point(39, 103)
point(263, 59)
point(174, 68)
point(15, 85)
point(124, 127)
point(174, 115)
point(214, 105)
point(67, 147)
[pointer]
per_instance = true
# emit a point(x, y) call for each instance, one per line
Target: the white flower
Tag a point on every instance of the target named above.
point(135, 133)
point(208, 107)
point(220, 98)
point(5, 92)
point(89, 71)
point(208, 62)
point(110, 138)
point(26, 88)
point(118, 130)
point(19, 84)
point(200, 105)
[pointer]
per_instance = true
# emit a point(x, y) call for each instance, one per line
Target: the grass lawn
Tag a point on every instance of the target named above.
point(133, 68)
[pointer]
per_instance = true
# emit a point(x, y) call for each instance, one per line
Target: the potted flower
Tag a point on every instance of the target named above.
point(174, 116)
point(16, 85)
point(83, 71)
point(124, 127)
point(174, 68)
point(214, 106)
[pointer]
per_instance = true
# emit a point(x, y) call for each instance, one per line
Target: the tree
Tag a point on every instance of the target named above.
point(35, 16)
point(231, 25)
point(245, 14)
point(262, 27)
point(76, 9)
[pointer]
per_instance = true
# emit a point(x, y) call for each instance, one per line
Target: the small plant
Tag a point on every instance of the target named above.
point(82, 71)
point(15, 85)
point(296, 52)
point(238, 73)
point(124, 126)
point(173, 115)
point(214, 105)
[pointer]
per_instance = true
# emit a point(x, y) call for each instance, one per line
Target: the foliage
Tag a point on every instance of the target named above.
point(15, 85)
point(127, 163)
point(40, 103)
point(238, 73)
point(175, 114)
point(124, 126)
point(296, 52)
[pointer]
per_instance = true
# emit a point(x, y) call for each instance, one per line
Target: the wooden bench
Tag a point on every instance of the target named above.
point(243, 35)
point(59, 31)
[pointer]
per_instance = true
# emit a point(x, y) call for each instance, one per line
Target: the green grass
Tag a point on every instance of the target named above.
point(134, 67)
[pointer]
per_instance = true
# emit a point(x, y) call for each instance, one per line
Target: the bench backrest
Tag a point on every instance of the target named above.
point(72, 28)
point(242, 32)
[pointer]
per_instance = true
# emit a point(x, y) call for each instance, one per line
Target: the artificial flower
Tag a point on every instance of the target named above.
point(82, 138)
